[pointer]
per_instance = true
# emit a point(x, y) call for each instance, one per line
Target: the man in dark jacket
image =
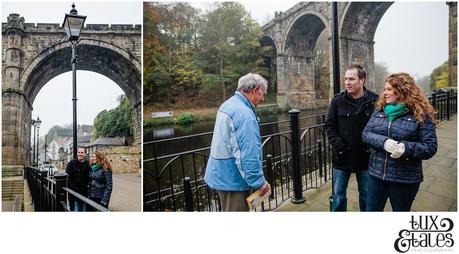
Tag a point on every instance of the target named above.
point(347, 116)
point(78, 180)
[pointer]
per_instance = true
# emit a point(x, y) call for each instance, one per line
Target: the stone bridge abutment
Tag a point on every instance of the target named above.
point(34, 54)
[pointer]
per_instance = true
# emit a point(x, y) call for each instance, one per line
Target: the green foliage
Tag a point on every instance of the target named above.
point(169, 35)
point(267, 110)
point(147, 122)
point(439, 76)
point(188, 54)
point(442, 80)
point(230, 44)
point(185, 118)
point(115, 122)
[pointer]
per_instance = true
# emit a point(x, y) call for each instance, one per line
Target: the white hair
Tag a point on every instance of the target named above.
point(250, 81)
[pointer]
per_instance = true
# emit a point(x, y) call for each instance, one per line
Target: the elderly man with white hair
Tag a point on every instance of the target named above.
point(235, 161)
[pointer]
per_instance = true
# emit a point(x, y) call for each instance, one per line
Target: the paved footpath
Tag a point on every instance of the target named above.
point(126, 193)
point(438, 191)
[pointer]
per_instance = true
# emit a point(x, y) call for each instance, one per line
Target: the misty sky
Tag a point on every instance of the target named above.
point(411, 37)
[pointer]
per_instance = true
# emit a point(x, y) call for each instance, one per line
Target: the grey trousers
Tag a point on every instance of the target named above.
point(234, 201)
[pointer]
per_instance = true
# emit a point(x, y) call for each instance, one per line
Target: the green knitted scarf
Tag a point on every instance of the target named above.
point(394, 110)
point(95, 166)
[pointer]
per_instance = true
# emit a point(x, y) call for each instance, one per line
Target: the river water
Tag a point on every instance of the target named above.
point(193, 166)
point(172, 131)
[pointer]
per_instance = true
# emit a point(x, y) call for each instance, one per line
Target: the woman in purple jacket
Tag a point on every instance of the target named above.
point(400, 134)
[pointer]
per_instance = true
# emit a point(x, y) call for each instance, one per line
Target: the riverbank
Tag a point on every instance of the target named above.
point(197, 115)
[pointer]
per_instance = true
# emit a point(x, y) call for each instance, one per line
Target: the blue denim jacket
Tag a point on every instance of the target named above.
point(235, 161)
point(420, 142)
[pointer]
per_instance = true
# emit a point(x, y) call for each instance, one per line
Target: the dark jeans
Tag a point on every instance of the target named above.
point(401, 195)
point(340, 182)
point(76, 205)
point(98, 201)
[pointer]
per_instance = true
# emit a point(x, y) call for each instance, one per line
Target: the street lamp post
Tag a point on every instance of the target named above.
point(73, 23)
point(33, 123)
point(38, 123)
point(336, 71)
point(335, 49)
point(46, 146)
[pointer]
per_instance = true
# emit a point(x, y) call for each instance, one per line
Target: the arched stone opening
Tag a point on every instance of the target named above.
point(357, 30)
point(297, 63)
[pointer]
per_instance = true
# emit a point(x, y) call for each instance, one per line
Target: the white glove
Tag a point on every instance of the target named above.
point(391, 146)
point(399, 152)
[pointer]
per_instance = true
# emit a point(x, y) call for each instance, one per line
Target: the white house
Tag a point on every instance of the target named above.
point(56, 144)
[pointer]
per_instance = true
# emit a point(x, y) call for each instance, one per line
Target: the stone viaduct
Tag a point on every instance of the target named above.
point(34, 54)
point(294, 34)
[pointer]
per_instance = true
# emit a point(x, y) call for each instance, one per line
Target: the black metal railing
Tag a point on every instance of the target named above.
point(294, 160)
point(176, 180)
point(50, 192)
point(445, 103)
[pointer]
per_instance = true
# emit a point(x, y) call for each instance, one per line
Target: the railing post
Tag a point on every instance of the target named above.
point(448, 104)
point(33, 179)
point(295, 149)
point(269, 173)
point(188, 194)
point(454, 102)
point(319, 149)
point(434, 104)
point(43, 185)
point(61, 182)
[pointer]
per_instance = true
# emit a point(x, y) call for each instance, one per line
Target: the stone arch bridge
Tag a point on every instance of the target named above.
point(34, 54)
point(294, 35)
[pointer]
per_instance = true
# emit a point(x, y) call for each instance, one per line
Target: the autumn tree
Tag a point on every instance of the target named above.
point(229, 40)
point(169, 45)
point(439, 76)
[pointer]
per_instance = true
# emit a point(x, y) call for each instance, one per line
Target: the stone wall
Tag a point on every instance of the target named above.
point(301, 25)
point(452, 59)
point(124, 159)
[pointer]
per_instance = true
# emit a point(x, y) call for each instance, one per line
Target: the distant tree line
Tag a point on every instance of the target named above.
point(196, 58)
point(115, 122)
point(439, 76)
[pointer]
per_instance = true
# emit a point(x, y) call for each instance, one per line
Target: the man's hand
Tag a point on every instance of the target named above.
point(265, 188)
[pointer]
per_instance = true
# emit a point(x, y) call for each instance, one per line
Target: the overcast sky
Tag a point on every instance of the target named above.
point(95, 92)
point(411, 37)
